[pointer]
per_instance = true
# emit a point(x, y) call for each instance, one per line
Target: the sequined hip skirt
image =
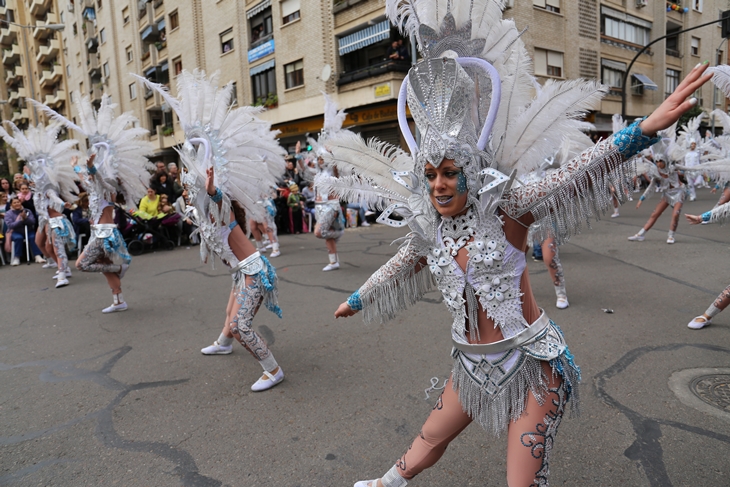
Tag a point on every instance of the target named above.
point(673, 196)
point(493, 387)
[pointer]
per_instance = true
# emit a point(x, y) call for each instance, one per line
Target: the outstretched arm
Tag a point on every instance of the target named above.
point(580, 189)
point(398, 284)
point(719, 214)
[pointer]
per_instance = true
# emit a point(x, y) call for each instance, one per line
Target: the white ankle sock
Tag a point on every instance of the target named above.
point(393, 479)
point(117, 299)
point(641, 232)
point(670, 234)
point(713, 311)
point(224, 341)
point(333, 258)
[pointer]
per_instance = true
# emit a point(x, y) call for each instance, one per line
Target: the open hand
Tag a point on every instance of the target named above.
point(344, 311)
point(90, 162)
point(210, 181)
point(694, 219)
point(677, 103)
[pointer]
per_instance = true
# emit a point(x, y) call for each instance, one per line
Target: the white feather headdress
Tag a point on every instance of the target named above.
point(241, 148)
point(48, 158)
point(121, 148)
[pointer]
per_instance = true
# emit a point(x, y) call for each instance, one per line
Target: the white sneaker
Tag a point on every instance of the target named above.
point(62, 282)
point(670, 240)
point(699, 322)
point(50, 265)
point(364, 224)
point(331, 267)
point(15, 261)
point(39, 259)
point(636, 238)
point(615, 214)
point(217, 349)
point(369, 213)
point(366, 483)
point(115, 307)
point(275, 253)
point(267, 381)
point(67, 273)
point(123, 270)
point(562, 302)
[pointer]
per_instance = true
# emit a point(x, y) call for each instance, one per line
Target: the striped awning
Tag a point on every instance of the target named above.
point(258, 8)
point(365, 37)
point(261, 67)
point(646, 81)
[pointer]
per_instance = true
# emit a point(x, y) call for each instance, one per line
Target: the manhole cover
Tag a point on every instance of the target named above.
point(713, 389)
point(705, 389)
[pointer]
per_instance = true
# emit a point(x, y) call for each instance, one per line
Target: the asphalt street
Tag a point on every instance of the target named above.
point(127, 399)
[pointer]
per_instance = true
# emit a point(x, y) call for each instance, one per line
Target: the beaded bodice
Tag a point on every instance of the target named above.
point(491, 280)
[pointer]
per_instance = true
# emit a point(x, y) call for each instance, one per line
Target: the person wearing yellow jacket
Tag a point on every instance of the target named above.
point(148, 205)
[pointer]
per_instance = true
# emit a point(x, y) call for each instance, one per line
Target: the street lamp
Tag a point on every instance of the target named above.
point(53, 27)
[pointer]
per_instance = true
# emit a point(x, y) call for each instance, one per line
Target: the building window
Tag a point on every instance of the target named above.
point(234, 94)
point(98, 4)
point(133, 91)
point(720, 57)
point(177, 65)
point(548, 63)
point(130, 53)
point(264, 88)
point(68, 70)
point(174, 21)
point(695, 47)
point(155, 121)
point(102, 36)
point(631, 29)
point(125, 15)
point(294, 74)
point(697, 5)
point(549, 5)
point(106, 70)
point(75, 29)
point(289, 11)
point(671, 81)
point(612, 75)
point(71, 97)
point(227, 41)
point(261, 27)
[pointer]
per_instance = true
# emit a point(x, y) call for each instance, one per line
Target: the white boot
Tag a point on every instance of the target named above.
point(275, 252)
point(61, 280)
point(118, 305)
point(333, 265)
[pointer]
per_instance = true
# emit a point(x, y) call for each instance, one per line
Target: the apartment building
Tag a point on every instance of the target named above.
point(598, 39)
point(282, 54)
point(32, 62)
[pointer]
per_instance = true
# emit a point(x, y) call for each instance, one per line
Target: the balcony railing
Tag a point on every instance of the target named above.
point(40, 32)
point(8, 34)
point(374, 70)
point(51, 76)
point(11, 54)
point(39, 7)
point(48, 52)
point(20, 115)
point(56, 99)
point(15, 95)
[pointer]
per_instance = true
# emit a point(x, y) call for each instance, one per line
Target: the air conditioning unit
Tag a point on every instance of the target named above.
point(641, 3)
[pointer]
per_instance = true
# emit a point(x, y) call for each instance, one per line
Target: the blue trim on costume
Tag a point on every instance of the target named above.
point(354, 301)
point(706, 216)
point(91, 170)
point(271, 208)
point(268, 280)
point(114, 245)
point(66, 233)
point(630, 141)
point(563, 361)
point(232, 225)
point(217, 197)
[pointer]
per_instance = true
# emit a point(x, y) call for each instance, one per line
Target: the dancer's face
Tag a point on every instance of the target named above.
point(661, 164)
point(447, 188)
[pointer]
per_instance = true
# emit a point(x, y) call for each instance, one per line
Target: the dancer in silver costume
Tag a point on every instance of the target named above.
point(230, 159)
point(512, 368)
point(266, 227)
point(47, 162)
point(116, 165)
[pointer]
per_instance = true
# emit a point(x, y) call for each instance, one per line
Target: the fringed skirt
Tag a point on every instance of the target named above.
point(63, 230)
point(493, 389)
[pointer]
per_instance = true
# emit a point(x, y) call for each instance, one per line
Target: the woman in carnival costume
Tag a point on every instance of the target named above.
point(468, 97)
point(330, 224)
point(116, 165)
point(53, 182)
point(231, 158)
point(266, 227)
point(664, 178)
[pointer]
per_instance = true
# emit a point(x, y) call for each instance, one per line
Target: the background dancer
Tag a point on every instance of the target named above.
point(224, 184)
point(117, 164)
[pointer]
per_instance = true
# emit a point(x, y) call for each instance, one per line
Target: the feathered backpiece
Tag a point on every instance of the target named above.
point(240, 147)
point(48, 159)
point(121, 148)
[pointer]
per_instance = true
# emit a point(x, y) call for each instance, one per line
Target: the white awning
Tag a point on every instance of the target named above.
point(644, 80)
point(365, 37)
point(261, 67)
point(258, 8)
point(617, 65)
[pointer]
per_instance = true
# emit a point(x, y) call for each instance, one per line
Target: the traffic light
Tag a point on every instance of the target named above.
point(725, 16)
